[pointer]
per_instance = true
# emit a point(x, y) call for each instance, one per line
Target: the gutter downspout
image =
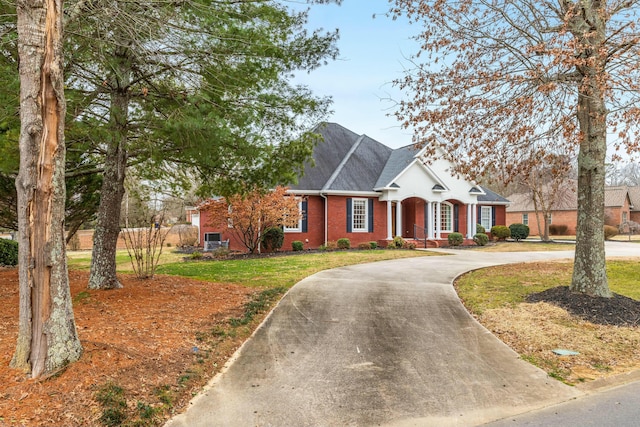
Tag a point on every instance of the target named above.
point(326, 219)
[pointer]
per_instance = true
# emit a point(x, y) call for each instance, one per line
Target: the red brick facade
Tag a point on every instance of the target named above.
point(413, 212)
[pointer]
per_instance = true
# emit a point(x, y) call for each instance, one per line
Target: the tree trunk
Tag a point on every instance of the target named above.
point(47, 336)
point(589, 271)
point(105, 238)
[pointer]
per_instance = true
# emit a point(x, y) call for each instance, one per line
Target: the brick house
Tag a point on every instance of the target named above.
point(622, 204)
point(360, 189)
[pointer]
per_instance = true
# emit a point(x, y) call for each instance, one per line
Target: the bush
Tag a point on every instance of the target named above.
point(481, 239)
point(409, 245)
point(364, 246)
point(558, 229)
point(480, 229)
point(455, 239)
point(344, 243)
point(396, 243)
point(8, 252)
point(519, 231)
point(196, 255)
point(500, 232)
point(273, 238)
point(220, 253)
point(297, 245)
point(373, 245)
point(609, 232)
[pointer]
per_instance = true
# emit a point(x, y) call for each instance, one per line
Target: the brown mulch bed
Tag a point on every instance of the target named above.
point(158, 340)
point(616, 311)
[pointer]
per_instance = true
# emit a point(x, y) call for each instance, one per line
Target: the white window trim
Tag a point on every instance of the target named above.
point(484, 209)
point(365, 228)
point(525, 218)
point(298, 227)
point(449, 229)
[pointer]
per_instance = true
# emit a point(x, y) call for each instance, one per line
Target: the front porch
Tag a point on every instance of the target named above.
point(430, 221)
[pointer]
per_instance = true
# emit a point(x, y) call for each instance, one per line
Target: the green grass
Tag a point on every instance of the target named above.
point(509, 285)
point(281, 271)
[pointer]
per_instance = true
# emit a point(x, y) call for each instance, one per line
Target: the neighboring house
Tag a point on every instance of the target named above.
point(622, 204)
point(360, 189)
point(192, 216)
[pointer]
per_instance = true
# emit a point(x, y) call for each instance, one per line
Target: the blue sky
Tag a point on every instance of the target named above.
point(373, 52)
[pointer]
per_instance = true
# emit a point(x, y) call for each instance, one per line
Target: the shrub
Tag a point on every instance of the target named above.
point(500, 232)
point(373, 245)
point(344, 243)
point(330, 246)
point(8, 252)
point(609, 232)
point(481, 239)
point(558, 229)
point(519, 231)
point(480, 229)
point(409, 245)
point(396, 243)
point(455, 239)
point(364, 246)
point(297, 245)
point(220, 253)
point(196, 255)
point(273, 238)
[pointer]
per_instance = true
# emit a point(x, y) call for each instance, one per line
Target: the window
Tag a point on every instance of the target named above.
point(446, 216)
point(624, 217)
point(359, 215)
point(212, 237)
point(525, 218)
point(486, 217)
point(549, 218)
point(298, 227)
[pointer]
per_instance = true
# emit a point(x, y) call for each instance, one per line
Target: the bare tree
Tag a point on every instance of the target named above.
point(501, 76)
point(47, 336)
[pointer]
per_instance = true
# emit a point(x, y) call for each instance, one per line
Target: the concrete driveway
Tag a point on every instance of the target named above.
point(379, 344)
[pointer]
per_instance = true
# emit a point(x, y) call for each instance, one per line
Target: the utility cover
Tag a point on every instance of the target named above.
point(562, 352)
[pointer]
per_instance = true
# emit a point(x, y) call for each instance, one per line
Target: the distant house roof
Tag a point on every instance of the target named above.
point(613, 197)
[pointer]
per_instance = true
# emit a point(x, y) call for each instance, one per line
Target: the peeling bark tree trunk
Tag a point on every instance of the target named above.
point(589, 270)
point(47, 336)
point(105, 239)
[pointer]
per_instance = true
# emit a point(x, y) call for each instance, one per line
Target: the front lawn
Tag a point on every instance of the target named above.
point(497, 297)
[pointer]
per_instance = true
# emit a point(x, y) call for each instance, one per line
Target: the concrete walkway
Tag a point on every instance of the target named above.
point(379, 344)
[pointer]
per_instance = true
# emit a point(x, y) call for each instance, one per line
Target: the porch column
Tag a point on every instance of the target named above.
point(438, 220)
point(389, 220)
point(474, 214)
point(430, 221)
point(469, 222)
point(399, 218)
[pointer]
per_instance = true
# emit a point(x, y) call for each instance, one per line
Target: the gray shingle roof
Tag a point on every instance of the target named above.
point(328, 154)
point(398, 161)
point(491, 197)
point(344, 161)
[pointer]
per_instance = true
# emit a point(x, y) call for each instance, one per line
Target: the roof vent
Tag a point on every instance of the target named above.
point(438, 187)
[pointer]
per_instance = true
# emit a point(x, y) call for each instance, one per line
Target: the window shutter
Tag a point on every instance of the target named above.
point(304, 215)
point(493, 216)
point(349, 214)
point(456, 213)
point(370, 214)
point(479, 216)
point(426, 216)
